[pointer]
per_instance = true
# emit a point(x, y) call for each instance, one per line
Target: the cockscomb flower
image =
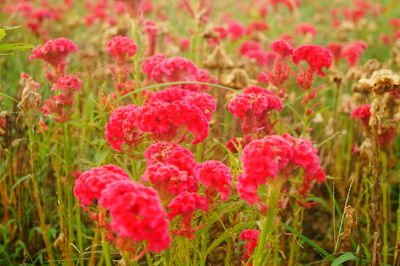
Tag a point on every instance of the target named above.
point(136, 213)
point(362, 112)
point(249, 45)
point(170, 153)
point(306, 29)
point(55, 52)
point(90, 184)
point(256, 26)
point(185, 204)
point(215, 175)
point(353, 51)
point(316, 57)
point(282, 48)
point(67, 85)
point(160, 69)
point(236, 30)
point(120, 48)
point(251, 238)
point(56, 107)
point(122, 127)
point(290, 4)
point(336, 49)
point(274, 155)
point(252, 107)
point(168, 180)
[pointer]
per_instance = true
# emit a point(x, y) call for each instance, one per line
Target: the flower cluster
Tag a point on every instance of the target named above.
point(160, 69)
point(251, 238)
point(352, 52)
point(121, 47)
point(316, 57)
point(274, 157)
point(252, 107)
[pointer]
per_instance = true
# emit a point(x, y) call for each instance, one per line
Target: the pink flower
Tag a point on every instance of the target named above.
point(170, 153)
point(57, 107)
point(122, 127)
point(67, 85)
point(316, 57)
point(185, 204)
point(215, 175)
point(353, 51)
point(282, 48)
point(305, 29)
point(335, 48)
point(91, 183)
point(54, 52)
point(236, 30)
point(251, 238)
point(362, 112)
point(169, 180)
point(121, 47)
point(249, 45)
point(252, 107)
point(136, 213)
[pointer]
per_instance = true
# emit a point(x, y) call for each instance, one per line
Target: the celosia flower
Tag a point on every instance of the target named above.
point(336, 49)
point(151, 30)
point(282, 48)
point(55, 52)
point(236, 30)
point(352, 51)
point(251, 238)
point(168, 180)
point(121, 47)
point(136, 213)
point(122, 127)
point(91, 183)
point(56, 106)
point(316, 57)
point(67, 85)
point(215, 175)
point(161, 69)
point(306, 29)
point(252, 107)
point(249, 45)
point(362, 112)
point(257, 26)
point(277, 76)
point(185, 204)
point(170, 153)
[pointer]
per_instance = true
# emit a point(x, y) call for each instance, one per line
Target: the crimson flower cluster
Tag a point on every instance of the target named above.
point(135, 211)
point(163, 117)
point(274, 157)
point(251, 238)
point(160, 69)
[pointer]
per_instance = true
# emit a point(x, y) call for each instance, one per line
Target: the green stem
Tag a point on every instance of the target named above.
point(106, 249)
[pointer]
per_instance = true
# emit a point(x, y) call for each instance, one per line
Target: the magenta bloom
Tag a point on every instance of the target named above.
point(121, 47)
point(353, 51)
point(91, 183)
point(251, 238)
point(362, 112)
point(316, 57)
point(54, 51)
point(215, 175)
point(136, 213)
point(306, 28)
point(282, 48)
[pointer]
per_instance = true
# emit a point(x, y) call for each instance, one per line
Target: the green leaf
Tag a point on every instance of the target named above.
point(15, 46)
point(8, 28)
point(20, 181)
point(320, 250)
point(3, 33)
point(345, 257)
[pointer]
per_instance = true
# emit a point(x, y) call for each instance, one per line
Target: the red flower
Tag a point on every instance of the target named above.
point(122, 127)
point(67, 85)
point(91, 183)
point(136, 213)
point(282, 48)
point(56, 106)
point(54, 52)
point(236, 30)
point(185, 204)
point(305, 29)
point(170, 153)
point(248, 46)
point(251, 238)
point(362, 112)
point(215, 175)
point(121, 47)
point(353, 51)
point(316, 57)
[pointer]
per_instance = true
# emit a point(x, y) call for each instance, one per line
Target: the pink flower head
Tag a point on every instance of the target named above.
point(249, 45)
point(282, 48)
point(169, 180)
point(362, 112)
point(136, 213)
point(257, 26)
point(56, 106)
point(316, 57)
point(335, 48)
point(215, 174)
point(185, 204)
point(252, 107)
point(121, 47)
point(122, 127)
point(91, 183)
point(261, 57)
point(251, 238)
point(353, 51)
point(67, 84)
point(170, 153)
point(160, 69)
point(54, 52)
point(306, 29)
point(236, 30)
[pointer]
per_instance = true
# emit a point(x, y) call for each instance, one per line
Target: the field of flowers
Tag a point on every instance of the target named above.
point(199, 132)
